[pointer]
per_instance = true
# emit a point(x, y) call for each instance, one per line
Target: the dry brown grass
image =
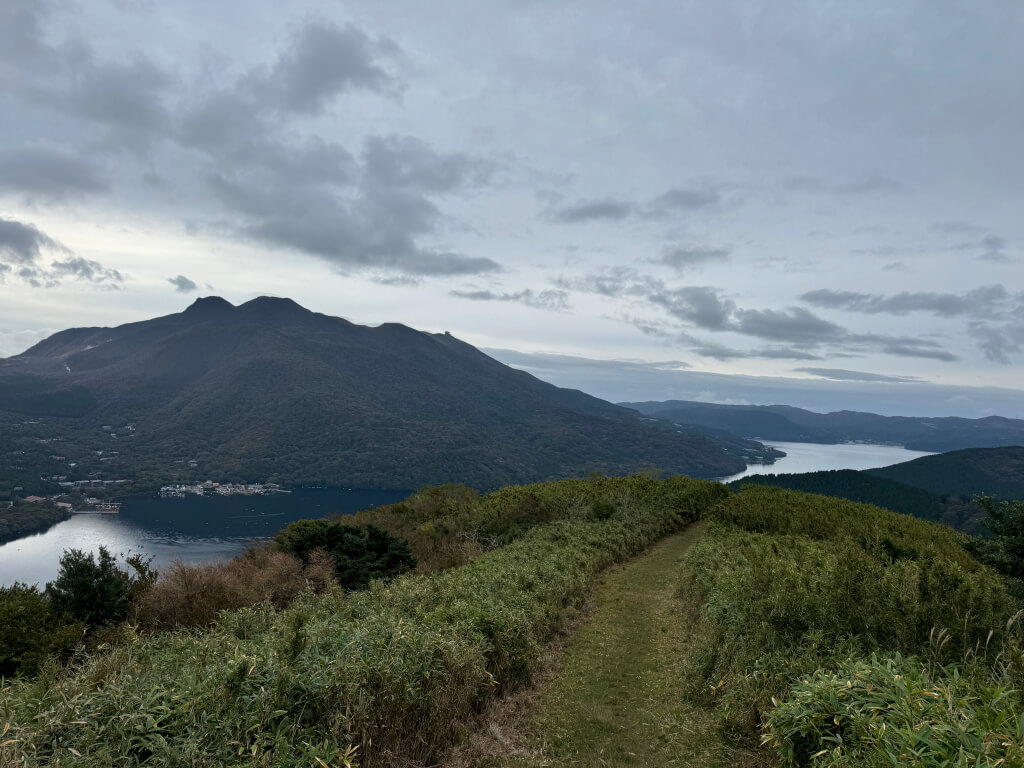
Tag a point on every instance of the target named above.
point(193, 595)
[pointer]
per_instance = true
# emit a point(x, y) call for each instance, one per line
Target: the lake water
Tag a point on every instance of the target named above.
point(194, 529)
point(813, 457)
point(203, 530)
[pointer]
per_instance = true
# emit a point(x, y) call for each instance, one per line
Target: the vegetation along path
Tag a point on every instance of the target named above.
point(618, 698)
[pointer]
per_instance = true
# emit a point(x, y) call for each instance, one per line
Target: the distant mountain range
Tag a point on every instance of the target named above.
point(269, 390)
point(939, 487)
point(789, 424)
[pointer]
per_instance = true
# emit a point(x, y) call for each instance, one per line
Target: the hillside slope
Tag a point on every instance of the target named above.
point(269, 389)
point(978, 471)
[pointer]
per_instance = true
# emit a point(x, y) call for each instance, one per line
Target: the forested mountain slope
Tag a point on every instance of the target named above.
point(269, 389)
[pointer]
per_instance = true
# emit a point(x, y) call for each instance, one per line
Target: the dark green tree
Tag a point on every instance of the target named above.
point(1004, 550)
point(93, 589)
point(359, 554)
point(31, 631)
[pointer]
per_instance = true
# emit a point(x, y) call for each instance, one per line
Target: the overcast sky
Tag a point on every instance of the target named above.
point(825, 191)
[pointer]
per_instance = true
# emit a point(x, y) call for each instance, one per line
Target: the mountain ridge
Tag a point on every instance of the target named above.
point(270, 389)
point(790, 424)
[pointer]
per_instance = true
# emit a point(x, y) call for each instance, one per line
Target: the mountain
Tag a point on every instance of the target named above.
point(789, 424)
point(939, 488)
point(270, 390)
point(965, 474)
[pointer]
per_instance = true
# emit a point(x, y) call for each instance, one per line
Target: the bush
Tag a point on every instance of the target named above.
point(31, 631)
point(880, 711)
point(189, 596)
point(93, 589)
point(1004, 550)
point(790, 583)
point(359, 555)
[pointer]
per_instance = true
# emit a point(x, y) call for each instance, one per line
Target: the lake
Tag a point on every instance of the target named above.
point(193, 529)
point(814, 457)
point(203, 530)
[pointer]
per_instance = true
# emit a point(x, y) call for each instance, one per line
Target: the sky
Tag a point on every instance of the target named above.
point(807, 201)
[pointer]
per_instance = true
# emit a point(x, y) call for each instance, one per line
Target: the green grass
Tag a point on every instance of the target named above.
point(802, 594)
point(398, 670)
point(617, 699)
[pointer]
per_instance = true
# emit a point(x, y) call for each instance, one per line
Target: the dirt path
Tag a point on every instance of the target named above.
point(617, 698)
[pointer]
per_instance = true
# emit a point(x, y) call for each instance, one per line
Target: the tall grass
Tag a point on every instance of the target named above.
point(792, 583)
point(396, 672)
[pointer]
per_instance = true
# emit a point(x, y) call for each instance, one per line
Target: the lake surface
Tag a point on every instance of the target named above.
point(812, 457)
point(193, 529)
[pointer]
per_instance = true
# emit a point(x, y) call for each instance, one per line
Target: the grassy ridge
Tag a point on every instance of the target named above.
point(798, 591)
point(397, 671)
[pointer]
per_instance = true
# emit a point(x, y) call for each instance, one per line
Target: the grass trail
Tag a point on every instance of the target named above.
point(617, 699)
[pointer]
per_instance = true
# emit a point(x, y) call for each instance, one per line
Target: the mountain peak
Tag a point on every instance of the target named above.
point(208, 306)
point(274, 308)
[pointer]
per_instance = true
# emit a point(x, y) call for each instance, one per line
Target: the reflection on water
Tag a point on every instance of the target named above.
point(813, 457)
point(193, 529)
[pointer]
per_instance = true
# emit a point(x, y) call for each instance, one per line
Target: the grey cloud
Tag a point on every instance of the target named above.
point(723, 353)
point(85, 269)
point(851, 188)
point(21, 252)
point(182, 284)
point(702, 306)
point(993, 248)
point(982, 301)
point(700, 196)
point(998, 342)
point(916, 348)
point(323, 61)
point(900, 346)
point(791, 324)
point(688, 198)
point(682, 257)
point(989, 247)
point(800, 334)
point(280, 186)
point(868, 186)
point(956, 227)
point(369, 215)
point(614, 282)
point(619, 380)
point(128, 97)
point(841, 374)
point(38, 171)
point(593, 210)
point(408, 163)
point(23, 243)
point(397, 280)
point(553, 300)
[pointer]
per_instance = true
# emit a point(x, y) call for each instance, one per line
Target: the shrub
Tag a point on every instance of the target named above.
point(790, 582)
point(188, 596)
point(885, 710)
point(93, 589)
point(360, 555)
point(31, 631)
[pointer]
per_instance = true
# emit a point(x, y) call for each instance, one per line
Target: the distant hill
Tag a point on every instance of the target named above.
point(270, 390)
point(968, 473)
point(789, 424)
point(856, 486)
point(939, 488)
